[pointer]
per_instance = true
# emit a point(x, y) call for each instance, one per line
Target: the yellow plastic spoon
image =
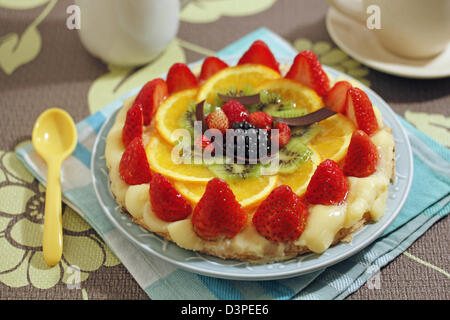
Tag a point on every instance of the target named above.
point(54, 139)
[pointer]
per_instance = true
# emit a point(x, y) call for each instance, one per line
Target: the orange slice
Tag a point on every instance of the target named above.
point(170, 112)
point(159, 155)
point(334, 137)
point(301, 95)
point(239, 78)
point(299, 179)
point(249, 192)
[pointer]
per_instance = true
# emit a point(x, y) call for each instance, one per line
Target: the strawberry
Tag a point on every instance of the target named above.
point(259, 53)
point(218, 214)
point(133, 124)
point(167, 203)
point(210, 67)
point(281, 216)
point(235, 111)
point(150, 97)
point(336, 98)
point(218, 120)
point(133, 167)
point(260, 120)
point(360, 111)
point(204, 143)
point(328, 185)
point(180, 77)
point(362, 156)
point(307, 70)
point(284, 134)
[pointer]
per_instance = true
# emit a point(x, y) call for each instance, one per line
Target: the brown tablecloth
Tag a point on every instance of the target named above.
point(61, 73)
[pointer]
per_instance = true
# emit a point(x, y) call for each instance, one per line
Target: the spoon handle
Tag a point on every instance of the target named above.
point(53, 240)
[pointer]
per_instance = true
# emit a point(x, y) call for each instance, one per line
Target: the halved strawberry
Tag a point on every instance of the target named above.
point(281, 216)
point(180, 77)
point(204, 143)
point(167, 203)
point(150, 96)
point(336, 98)
point(133, 124)
point(259, 53)
point(210, 67)
point(284, 134)
point(362, 156)
point(307, 70)
point(328, 185)
point(260, 120)
point(235, 111)
point(133, 167)
point(218, 120)
point(360, 111)
point(218, 214)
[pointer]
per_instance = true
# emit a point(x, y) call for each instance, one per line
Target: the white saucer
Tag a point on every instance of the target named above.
point(360, 43)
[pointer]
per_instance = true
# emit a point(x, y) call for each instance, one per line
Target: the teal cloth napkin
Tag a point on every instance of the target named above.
point(429, 200)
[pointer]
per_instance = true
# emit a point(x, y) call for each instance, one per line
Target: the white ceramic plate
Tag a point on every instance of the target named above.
point(360, 43)
point(229, 269)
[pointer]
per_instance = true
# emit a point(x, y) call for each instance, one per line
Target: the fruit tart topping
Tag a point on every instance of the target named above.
point(362, 156)
point(281, 217)
point(284, 134)
point(180, 77)
point(210, 67)
point(218, 214)
point(133, 167)
point(235, 111)
point(204, 143)
point(247, 141)
point(328, 185)
point(259, 53)
point(133, 124)
point(307, 70)
point(360, 110)
point(310, 118)
point(245, 100)
point(336, 98)
point(200, 115)
point(150, 98)
point(167, 203)
point(260, 120)
point(218, 120)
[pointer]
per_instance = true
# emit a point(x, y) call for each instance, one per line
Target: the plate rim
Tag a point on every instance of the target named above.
point(255, 277)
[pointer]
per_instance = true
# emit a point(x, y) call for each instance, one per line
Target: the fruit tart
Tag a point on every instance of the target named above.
point(258, 162)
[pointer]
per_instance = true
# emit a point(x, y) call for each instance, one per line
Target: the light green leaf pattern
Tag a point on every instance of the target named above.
point(118, 81)
point(204, 11)
point(435, 125)
point(16, 50)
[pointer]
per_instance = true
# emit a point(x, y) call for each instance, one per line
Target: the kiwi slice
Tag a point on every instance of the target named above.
point(233, 92)
point(234, 171)
point(293, 155)
point(305, 134)
point(290, 113)
point(188, 118)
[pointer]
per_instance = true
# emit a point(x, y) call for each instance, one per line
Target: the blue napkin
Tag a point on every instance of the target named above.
point(429, 201)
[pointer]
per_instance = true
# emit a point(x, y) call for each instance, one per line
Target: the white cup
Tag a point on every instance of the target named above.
point(128, 32)
point(410, 28)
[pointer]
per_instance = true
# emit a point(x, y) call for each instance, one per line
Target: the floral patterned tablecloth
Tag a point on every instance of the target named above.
point(42, 64)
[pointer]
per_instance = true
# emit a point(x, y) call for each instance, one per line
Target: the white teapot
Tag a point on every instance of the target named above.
point(127, 32)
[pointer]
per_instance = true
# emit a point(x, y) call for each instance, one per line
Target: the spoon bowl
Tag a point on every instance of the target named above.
point(54, 139)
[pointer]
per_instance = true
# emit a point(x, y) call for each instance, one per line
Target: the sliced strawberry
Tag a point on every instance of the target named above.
point(133, 124)
point(260, 120)
point(218, 214)
point(133, 167)
point(210, 67)
point(362, 156)
point(281, 216)
point(307, 70)
point(360, 111)
point(204, 143)
point(284, 134)
point(235, 111)
point(328, 185)
point(259, 53)
point(180, 77)
point(336, 98)
point(167, 203)
point(218, 120)
point(150, 97)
